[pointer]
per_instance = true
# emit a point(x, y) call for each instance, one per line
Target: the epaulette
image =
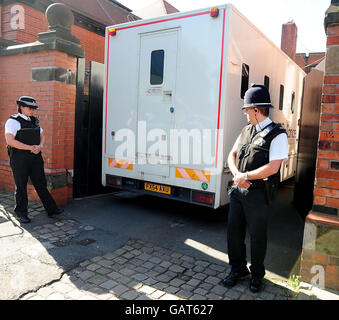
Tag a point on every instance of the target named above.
point(35, 120)
point(269, 128)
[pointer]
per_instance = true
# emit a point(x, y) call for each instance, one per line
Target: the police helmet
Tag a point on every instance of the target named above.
point(257, 97)
point(26, 101)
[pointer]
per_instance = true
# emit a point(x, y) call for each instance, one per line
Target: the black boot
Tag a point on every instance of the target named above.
point(23, 218)
point(55, 212)
point(255, 285)
point(232, 279)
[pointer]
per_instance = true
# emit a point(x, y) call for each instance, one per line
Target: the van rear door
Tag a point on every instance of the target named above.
point(156, 94)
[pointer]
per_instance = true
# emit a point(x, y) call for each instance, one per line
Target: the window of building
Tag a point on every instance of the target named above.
point(157, 67)
point(281, 97)
point(244, 79)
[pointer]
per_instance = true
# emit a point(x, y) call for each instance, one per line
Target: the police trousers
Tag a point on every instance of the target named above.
point(248, 208)
point(26, 165)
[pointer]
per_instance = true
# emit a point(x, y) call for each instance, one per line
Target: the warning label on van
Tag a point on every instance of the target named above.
point(154, 91)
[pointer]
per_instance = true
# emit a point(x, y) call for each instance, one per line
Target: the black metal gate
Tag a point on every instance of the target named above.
point(88, 130)
point(308, 142)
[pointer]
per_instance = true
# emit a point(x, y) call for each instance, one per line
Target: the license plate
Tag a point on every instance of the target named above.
point(157, 188)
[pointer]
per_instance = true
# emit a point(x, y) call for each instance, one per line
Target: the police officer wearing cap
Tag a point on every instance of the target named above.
point(25, 140)
point(254, 161)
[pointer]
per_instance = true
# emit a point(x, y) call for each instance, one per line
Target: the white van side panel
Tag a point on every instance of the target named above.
point(248, 45)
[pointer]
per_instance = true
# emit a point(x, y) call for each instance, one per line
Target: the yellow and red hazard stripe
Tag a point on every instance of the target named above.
point(192, 174)
point(122, 164)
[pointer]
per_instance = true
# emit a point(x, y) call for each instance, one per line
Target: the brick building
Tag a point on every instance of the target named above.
point(309, 61)
point(289, 45)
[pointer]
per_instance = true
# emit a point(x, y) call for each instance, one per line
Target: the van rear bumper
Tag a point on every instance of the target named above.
point(198, 197)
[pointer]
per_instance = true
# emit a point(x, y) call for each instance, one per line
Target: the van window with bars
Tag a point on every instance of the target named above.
point(157, 67)
point(267, 82)
point(292, 102)
point(245, 76)
point(281, 97)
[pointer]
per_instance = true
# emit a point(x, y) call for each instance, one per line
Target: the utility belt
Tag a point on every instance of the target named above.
point(269, 186)
point(257, 184)
point(12, 150)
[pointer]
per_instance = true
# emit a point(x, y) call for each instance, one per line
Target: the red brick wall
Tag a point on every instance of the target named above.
point(333, 35)
point(92, 43)
point(326, 188)
point(329, 265)
point(56, 112)
point(321, 232)
point(35, 22)
point(56, 99)
point(289, 39)
point(6, 31)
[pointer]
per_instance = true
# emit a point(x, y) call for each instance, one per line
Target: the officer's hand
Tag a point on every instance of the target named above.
point(244, 185)
point(240, 181)
point(36, 149)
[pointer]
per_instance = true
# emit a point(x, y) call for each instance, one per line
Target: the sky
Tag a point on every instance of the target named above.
point(268, 16)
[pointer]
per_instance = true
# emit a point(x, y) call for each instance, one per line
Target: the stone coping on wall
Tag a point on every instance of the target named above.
point(6, 43)
point(59, 45)
point(332, 14)
point(323, 219)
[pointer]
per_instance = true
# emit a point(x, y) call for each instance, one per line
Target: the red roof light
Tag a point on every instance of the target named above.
point(214, 12)
point(112, 32)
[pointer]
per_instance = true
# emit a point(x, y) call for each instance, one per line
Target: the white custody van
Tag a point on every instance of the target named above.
point(174, 88)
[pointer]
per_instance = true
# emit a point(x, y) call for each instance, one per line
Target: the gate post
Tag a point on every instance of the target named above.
point(320, 255)
point(45, 69)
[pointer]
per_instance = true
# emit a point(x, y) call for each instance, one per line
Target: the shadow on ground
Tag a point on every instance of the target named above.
point(124, 246)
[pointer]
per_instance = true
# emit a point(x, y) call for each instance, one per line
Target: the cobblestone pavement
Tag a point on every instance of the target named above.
point(138, 270)
point(142, 271)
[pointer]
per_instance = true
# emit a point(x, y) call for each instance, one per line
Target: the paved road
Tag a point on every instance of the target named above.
point(123, 246)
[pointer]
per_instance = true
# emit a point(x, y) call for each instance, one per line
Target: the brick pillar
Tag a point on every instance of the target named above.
point(45, 69)
point(289, 39)
point(320, 256)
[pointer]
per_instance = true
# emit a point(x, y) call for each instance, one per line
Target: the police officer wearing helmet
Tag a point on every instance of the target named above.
point(25, 140)
point(254, 161)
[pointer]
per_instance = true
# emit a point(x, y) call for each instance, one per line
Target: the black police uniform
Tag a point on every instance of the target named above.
point(250, 206)
point(26, 164)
